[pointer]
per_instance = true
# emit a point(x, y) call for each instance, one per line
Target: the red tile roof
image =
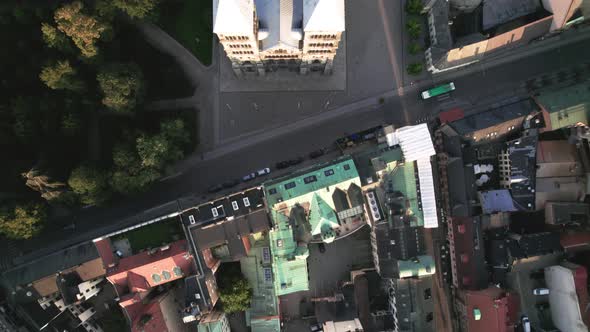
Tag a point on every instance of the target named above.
point(156, 322)
point(105, 250)
point(498, 309)
point(156, 268)
point(451, 115)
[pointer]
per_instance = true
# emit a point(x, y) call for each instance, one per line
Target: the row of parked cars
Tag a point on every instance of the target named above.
point(264, 171)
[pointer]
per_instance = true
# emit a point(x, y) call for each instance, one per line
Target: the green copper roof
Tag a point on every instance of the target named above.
point(266, 325)
point(321, 216)
point(257, 268)
point(217, 326)
point(316, 178)
point(289, 263)
point(404, 180)
point(567, 106)
point(422, 266)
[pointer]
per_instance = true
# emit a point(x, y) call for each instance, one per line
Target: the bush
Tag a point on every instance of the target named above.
point(414, 28)
point(414, 7)
point(415, 48)
point(415, 68)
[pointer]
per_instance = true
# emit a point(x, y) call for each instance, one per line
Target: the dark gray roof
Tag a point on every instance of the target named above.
point(50, 264)
point(523, 164)
point(397, 243)
point(492, 117)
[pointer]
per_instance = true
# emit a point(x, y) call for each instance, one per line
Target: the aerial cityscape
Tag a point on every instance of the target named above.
point(295, 165)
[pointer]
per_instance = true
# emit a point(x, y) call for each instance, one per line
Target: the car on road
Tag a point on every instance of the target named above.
point(231, 183)
point(291, 162)
point(263, 171)
point(249, 177)
point(315, 328)
point(316, 153)
point(526, 324)
point(322, 248)
point(541, 291)
point(214, 188)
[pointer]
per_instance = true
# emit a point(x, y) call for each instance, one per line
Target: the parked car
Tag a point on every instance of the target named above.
point(215, 188)
point(231, 183)
point(282, 164)
point(249, 177)
point(541, 291)
point(263, 171)
point(315, 328)
point(296, 161)
point(526, 324)
point(322, 248)
point(316, 153)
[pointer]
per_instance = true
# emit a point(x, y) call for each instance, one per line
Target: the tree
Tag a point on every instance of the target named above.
point(415, 48)
point(414, 28)
point(121, 86)
point(61, 76)
point(55, 38)
point(234, 290)
point(136, 8)
point(165, 147)
point(414, 7)
point(129, 176)
point(414, 68)
point(91, 184)
point(85, 30)
point(71, 124)
point(22, 221)
point(24, 122)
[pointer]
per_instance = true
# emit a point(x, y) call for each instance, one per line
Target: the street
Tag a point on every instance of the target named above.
point(476, 86)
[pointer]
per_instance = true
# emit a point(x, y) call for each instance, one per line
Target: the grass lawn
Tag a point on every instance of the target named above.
point(153, 235)
point(190, 22)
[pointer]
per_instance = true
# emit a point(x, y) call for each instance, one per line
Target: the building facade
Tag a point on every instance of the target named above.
point(261, 36)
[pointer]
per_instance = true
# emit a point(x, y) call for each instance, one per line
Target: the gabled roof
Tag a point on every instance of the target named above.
point(321, 216)
point(323, 15)
point(282, 20)
point(233, 17)
point(159, 267)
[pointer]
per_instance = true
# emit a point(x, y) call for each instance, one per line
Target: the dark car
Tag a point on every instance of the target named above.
point(282, 164)
point(215, 188)
point(322, 248)
point(231, 183)
point(316, 153)
point(296, 161)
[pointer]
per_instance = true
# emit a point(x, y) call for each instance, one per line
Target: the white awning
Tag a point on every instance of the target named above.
point(416, 145)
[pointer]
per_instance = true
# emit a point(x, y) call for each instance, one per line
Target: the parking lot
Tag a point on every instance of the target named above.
point(522, 280)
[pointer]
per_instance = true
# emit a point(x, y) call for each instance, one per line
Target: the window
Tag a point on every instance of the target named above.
point(290, 185)
point(215, 213)
point(246, 202)
point(310, 179)
point(272, 191)
point(329, 172)
point(346, 167)
point(279, 243)
point(191, 218)
point(234, 205)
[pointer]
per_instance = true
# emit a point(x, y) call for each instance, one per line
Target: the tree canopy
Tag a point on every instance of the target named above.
point(129, 176)
point(234, 290)
point(61, 76)
point(122, 86)
point(22, 221)
point(90, 184)
point(136, 8)
point(55, 38)
point(165, 147)
point(84, 30)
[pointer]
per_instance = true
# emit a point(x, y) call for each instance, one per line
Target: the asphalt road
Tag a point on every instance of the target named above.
point(476, 86)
